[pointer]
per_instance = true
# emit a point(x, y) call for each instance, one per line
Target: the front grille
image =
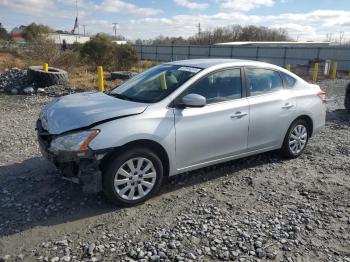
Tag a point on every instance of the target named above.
point(44, 136)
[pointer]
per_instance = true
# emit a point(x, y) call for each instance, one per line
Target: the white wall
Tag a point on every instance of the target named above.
point(70, 39)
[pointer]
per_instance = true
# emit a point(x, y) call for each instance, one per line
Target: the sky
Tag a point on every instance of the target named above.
point(316, 20)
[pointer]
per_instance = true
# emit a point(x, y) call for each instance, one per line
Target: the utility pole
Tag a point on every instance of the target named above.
point(199, 33)
point(76, 6)
point(115, 30)
point(84, 29)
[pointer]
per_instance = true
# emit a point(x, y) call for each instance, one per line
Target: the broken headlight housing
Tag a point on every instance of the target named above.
point(78, 141)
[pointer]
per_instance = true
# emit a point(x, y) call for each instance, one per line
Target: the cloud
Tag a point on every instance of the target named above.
point(191, 5)
point(245, 5)
point(307, 26)
point(122, 6)
point(46, 10)
point(34, 7)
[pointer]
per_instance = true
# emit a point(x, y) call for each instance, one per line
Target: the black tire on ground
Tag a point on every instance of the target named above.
point(347, 98)
point(116, 161)
point(123, 75)
point(285, 150)
point(40, 78)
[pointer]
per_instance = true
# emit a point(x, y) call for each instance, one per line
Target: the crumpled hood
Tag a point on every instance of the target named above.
point(84, 109)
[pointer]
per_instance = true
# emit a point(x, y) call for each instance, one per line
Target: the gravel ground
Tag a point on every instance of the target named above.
point(253, 209)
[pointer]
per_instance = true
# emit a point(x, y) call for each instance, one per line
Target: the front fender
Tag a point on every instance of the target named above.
point(157, 127)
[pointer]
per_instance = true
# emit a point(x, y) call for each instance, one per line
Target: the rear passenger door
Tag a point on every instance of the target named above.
point(271, 106)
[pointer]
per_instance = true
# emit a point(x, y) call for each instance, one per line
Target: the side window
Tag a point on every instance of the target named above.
point(219, 86)
point(290, 81)
point(263, 81)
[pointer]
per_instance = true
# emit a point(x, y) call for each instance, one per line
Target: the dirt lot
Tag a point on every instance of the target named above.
point(257, 208)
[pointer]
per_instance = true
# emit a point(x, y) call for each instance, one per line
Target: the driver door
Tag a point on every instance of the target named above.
point(218, 130)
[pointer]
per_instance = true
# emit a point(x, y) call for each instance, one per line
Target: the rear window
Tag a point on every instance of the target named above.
point(263, 81)
point(290, 81)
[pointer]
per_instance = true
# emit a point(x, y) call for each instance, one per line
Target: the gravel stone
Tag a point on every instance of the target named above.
point(155, 258)
point(65, 258)
point(28, 90)
point(258, 244)
point(14, 91)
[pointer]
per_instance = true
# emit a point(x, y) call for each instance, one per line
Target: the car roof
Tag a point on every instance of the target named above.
point(209, 62)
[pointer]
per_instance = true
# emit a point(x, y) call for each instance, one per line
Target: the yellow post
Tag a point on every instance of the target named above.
point(334, 70)
point(288, 67)
point(46, 67)
point(315, 74)
point(101, 85)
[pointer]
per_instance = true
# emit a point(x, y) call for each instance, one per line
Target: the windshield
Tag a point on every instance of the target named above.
point(154, 84)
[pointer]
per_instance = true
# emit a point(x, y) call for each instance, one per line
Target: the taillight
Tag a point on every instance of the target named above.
point(322, 96)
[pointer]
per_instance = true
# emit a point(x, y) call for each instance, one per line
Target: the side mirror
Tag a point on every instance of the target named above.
point(193, 100)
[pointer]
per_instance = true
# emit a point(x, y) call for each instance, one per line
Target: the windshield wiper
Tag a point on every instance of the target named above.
point(120, 96)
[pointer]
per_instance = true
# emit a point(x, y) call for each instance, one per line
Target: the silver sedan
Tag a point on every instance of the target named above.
point(178, 117)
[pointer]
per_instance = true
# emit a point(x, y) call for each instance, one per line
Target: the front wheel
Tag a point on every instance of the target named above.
point(132, 177)
point(296, 139)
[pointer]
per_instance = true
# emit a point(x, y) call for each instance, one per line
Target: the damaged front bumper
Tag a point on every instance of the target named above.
point(79, 167)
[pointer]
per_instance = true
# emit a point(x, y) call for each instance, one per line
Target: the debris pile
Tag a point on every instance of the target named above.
point(56, 90)
point(14, 81)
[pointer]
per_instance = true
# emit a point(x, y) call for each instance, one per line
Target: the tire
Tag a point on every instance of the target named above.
point(112, 173)
point(286, 149)
point(347, 98)
point(123, 75)
point(40, 78)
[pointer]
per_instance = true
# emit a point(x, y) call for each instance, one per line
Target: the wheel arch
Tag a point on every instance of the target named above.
point(308, 120)
point(150, 144)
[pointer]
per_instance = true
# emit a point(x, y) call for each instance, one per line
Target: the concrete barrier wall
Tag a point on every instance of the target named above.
point(275, 55)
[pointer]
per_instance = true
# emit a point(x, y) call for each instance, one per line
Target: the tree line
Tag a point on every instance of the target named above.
point(29, 32)
point(223, 34)
point(208, 37)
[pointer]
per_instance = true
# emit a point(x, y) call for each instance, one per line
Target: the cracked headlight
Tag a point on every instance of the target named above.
point(78, 141)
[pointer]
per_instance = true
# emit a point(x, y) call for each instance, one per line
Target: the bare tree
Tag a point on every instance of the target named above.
point(329, 37)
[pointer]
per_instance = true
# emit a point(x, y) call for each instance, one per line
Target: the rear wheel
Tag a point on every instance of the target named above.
point(296, 139)
point(133, 177)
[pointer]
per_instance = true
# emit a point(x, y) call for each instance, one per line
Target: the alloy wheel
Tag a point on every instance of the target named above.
point(297, 139)
point(135, 178)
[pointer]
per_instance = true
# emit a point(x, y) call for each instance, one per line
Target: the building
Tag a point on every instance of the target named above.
point(120, 42)
point(276, 44)
point(69, 38)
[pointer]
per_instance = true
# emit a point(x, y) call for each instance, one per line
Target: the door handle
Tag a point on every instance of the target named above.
point(238, 114)
point(287, 106)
